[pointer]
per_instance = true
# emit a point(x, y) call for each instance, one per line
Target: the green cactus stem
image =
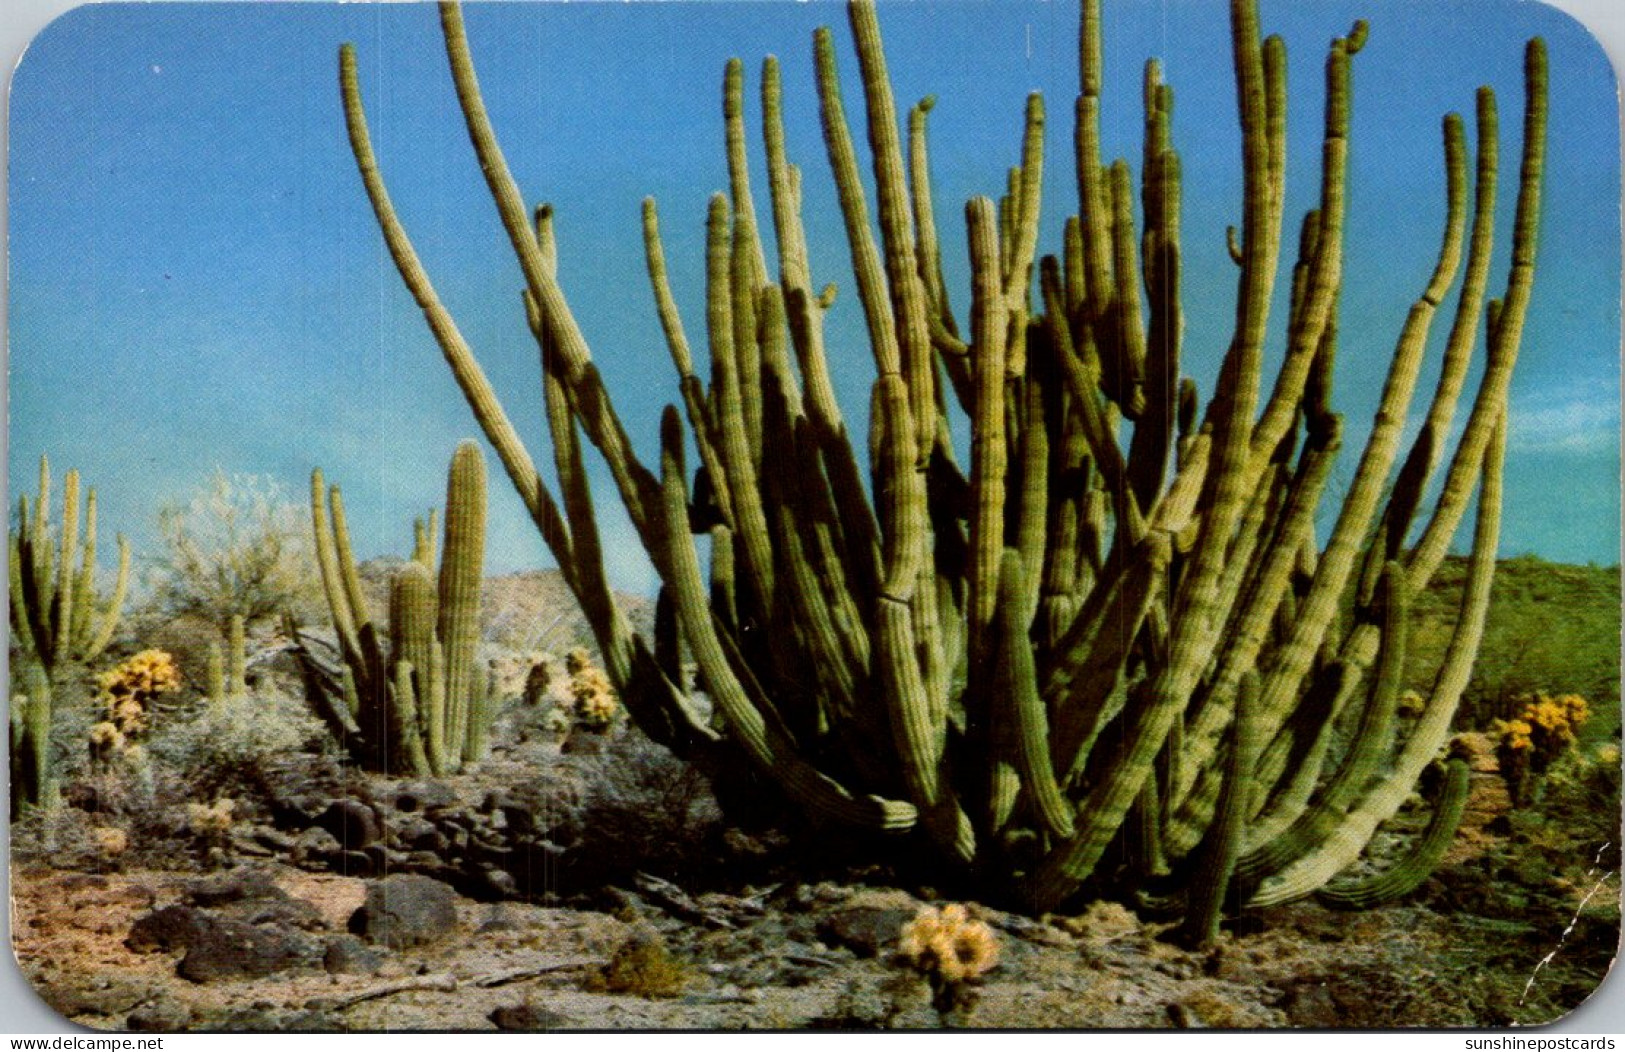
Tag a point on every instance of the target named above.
point(1037, 658)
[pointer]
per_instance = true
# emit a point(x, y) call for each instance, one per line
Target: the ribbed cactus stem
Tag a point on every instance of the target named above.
point(237, 657)
point(462, 571)
point(1424, 855)
point(1221, 848)
point(215, 689)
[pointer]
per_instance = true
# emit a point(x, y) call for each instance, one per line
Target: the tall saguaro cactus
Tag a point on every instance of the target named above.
point(408, 697)
point(1034, 660)
point(57, 618)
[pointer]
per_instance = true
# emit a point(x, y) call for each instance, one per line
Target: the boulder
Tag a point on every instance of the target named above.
point(406, 910)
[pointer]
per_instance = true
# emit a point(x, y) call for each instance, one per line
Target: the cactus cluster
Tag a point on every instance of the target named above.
point(228, 672)
point(57, 619)
point(127, 693)
point(408, 697)
point(948, 944)
point(1109, 645)
point(1528, 744)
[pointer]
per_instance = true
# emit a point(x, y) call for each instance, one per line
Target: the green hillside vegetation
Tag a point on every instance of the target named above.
point(1553, 628)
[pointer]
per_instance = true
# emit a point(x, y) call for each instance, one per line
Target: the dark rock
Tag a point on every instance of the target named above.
point(229, 949)
point(500, 883)
point(867, 931)
point(235, 886)
point(527, 1017)
point(286, 912)
point(315, 843)
point(273, 840)
point(409, 797)
point(354, 864)
point(348, 955)
point(415, 833)
point(109, 1000)
point(167, 929)
point(353, 823)
point(161, 1016)
point(1311, 1004)
point(406, 910)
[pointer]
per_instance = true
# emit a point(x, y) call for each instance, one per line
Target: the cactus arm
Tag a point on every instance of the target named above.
point(897, 236)
point(819, 794)
point(327, 562)
point(944, 329)
point(988, 450)
point(1406, 875)
point(733, 115)
point(741, 289)
point(1344, 844)
point(733, 428)
point(22, 632)
point(693, 388)
point(1508, 332)
point(462, 563)
point(115, 604)
point(1029, 190)
point(349, 575)
point(403, 710)
point(84, 585)
point(866, 264)
point(1016, 684)
point(1360, 504)
point(237, 685)
point(60, 643)
point(1481, 245)
point(1093, 208)
point(1128, 324)
point(412, 612)
point(1221, 847)
point(477, 390)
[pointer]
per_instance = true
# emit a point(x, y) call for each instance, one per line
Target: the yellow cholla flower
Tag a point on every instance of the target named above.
point(597, 710)
point(577, 660)
point(1514, 734)
point(207, 819)
point(110, 840)
point(949, 943)
point(105, 740)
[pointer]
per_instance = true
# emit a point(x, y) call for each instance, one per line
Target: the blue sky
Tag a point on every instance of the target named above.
point(197, 280)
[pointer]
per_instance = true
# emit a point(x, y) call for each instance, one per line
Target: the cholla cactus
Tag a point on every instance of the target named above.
point(211, 821)
point(129, 688)
point(1529, 743)
point(110, 841)
point(948, 945)
point(106, 741)
point(592, 696)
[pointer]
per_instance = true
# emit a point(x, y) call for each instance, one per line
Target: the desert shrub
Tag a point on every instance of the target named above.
point(238, 546)
point(642, 967)
point(227, 747)
point(645, 809)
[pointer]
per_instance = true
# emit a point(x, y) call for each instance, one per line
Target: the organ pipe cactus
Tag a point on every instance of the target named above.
point(1033, 660)
point(406, 697)
point(57, 618)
